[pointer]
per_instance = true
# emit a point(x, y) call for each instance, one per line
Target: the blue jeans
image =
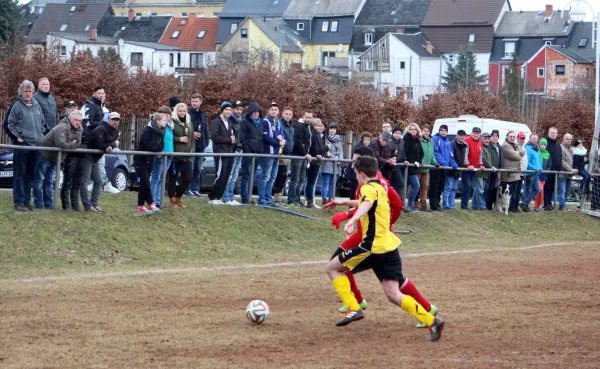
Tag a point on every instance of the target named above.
point(245, 190)
point(532, 188)
point(268, 168)
point(196, 178)
point(228, 195)
point(156, 178)
point(312, 176)
point(297, 180)
point(467, 179)
point(326, 186)
point(478, 194)
point(564, 187)
point(24, 162)
point(449, 195)
point(413, 183)
point(43, 183)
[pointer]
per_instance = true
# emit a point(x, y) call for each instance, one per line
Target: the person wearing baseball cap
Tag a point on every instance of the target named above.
point(470, 181)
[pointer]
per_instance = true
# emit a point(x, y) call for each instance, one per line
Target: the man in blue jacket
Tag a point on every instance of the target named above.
point(444, 155)
point(273, 139)
point(532, 180)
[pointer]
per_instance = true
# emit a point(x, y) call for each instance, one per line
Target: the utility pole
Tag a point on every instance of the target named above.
point(467, 76)
point(410, 77)
point(524, 92)
point(280, 56)
point(379, 66)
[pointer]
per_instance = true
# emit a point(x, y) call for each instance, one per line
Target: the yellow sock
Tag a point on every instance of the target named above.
point(342, 287)
point(415, 309)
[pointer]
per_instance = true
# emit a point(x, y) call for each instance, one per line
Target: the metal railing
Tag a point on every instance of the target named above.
point(337, 163)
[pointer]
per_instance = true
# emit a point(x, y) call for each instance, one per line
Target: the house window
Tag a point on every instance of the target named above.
point(244, 32)
point(73, 8)
point(407, 90)
point(200, 15)
point(368, 39)
point(185, 14)
point(509, 49)
point(137, 59)
point(179, 59)
point(327, 55)
point(233, 28)
point(196, 60)
point(138, 15)
point(300, 27)
point(324, 26)
point(548, 43)
point(370, 65)
point(540, 72)
point(451, 58)
point(583, 42)
point(171, 60)
point(175, 34)
point(201, 34)
point(87, 28)
point(63, 27)
point(63, 50)
point(240, 57)
point(168, 14)
point(334, 26)
point(153, 14)
point(471, 37)
point(560, 70)
point(402, 65)
point(215, 14)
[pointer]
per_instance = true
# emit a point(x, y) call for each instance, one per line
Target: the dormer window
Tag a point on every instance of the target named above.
point(300, 27)
point(185, 14)
point(63, 27)
point(368, 39)
point(202, 34)
point(548, 43)
point(324, 26)
point(334, 26)
point(509, 49)
point(471, 38)
point(233, 28)
point(175, 34)
point(73, 8)
point(583, 42)
point(87, 28)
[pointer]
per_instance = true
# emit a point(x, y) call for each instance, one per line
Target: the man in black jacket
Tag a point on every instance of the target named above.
point(303, 138)
point(222, 136)
point(397, 145)
point(556, 159)
point(48, 105)
point(201, 138)
point(235, 120)
point(251, 137)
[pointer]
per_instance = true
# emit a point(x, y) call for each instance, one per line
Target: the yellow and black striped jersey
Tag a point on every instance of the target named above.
point(376, 234)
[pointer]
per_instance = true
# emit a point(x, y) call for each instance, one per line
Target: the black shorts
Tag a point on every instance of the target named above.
point(385, 266)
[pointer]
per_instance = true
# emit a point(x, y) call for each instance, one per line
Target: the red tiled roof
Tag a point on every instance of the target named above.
point(189, 29)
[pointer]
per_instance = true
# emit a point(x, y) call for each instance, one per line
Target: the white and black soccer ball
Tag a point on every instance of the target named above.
point(257, 311)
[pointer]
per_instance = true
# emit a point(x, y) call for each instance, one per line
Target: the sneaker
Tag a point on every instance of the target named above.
point(97, 209)
point(433, 312)
point(110, 189)
point(232, 203)
point(436, 330)
point(90, 210)
point(216, 202)
point(344, 309)
point(351, 316)
point(294, 205)
point(524, 207)
point(278, 204)
point(143, 210)
point(29, 207)
point(197, 194)
point(153, 207)
point(21, 208)
point(188, 193)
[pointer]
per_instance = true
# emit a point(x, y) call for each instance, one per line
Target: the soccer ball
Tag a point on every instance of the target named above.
point(257, 311)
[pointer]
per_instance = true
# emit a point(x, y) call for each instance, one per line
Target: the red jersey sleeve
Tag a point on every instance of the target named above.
point(396, 205)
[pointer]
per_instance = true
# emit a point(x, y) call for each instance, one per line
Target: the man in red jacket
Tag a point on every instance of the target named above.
point(396, 205)
point(468, 179)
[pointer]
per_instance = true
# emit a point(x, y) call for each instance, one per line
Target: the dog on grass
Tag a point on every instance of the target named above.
point(503, 200)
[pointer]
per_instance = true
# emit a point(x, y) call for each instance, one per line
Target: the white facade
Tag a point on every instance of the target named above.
point(482, 61)
point(65, 47)
point(149, 58)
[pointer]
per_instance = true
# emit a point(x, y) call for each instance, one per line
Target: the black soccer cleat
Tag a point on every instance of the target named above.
point(350, 316)
point(436, 330)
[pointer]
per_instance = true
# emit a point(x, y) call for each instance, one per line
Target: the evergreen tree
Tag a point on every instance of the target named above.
point(109, 56)
point(11, 20)
point(513, 88)
point(465, 74)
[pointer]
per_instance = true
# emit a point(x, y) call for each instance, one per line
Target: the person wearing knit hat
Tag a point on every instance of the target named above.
point(443, 127)
point(397, 128)
point(538, 204)
point(225, 105)
point(174, 100)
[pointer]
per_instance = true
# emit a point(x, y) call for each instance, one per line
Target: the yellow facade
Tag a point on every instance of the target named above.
point(259, 42)
point(175, 8)
point(312, 54)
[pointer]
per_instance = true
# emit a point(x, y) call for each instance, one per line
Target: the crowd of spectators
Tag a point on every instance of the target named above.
point(33, 120)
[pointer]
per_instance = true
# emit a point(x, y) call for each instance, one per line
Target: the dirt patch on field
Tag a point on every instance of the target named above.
point(519, 309)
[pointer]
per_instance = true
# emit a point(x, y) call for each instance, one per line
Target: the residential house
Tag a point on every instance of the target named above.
point(68, 19)
point(556, 69)
point(236, 11)
point(380, 17)
point(523, 34)
point(195, 39)
point(150, 56)
point(326, 27)
point(169, 8)
point(454, 25)
point(64, 45)
point(134, 28)
point(260, 40)
point(403, 63)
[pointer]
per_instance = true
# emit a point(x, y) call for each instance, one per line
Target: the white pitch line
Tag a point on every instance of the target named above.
point(273, 265)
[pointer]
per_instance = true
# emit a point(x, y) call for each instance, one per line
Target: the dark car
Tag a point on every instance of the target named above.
point(117, 170)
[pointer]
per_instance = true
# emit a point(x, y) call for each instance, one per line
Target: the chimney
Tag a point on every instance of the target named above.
point(429, 47)
point(549, 9)
point(93, 34)
point(130, 15)
point(400, 30)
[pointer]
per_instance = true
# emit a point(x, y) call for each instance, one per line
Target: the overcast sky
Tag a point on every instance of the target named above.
point(541, 5)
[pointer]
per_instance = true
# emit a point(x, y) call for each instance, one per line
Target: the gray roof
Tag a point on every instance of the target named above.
point(224, 28)
point(358, 35)
point(583, 30)
point(153, 45)
point(83, 38)
point(526, 47)
point(416, 43)
point(572, 54)
point(278, 30)
point(55, 15)
point(95, 1)
point(514, 24)
point(247, 8)
point(307, 9)
point(141, 29)
point(392, 12)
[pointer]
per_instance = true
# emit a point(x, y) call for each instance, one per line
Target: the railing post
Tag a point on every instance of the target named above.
point(57, 179)
point(405, 179)
point(556, 189)
point(335, 163)
point(163, 183)
point(251, 185)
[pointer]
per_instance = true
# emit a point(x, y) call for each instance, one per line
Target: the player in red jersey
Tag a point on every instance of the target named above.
point(396, 205)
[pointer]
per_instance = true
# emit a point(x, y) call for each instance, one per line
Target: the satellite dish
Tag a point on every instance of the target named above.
point(340, 48)
point(121, 42)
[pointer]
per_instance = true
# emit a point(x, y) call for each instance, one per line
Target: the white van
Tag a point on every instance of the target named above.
point(467, 122)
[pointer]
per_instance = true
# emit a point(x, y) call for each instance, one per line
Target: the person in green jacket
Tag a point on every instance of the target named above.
point(538, 204)
point(428, 159)
point(183, 129)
